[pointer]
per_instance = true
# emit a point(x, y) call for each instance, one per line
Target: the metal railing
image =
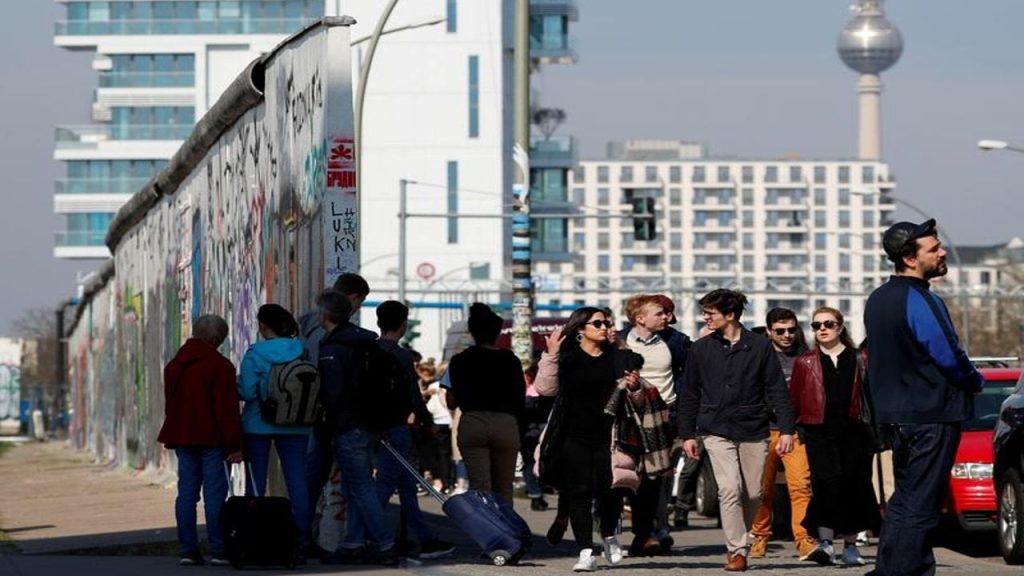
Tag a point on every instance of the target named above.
point(90, 134)
point(77, 238)
point(180, 26)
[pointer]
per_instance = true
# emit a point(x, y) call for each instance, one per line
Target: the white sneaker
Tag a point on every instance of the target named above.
point(587, 562)
point(612, 550)
point(862, 538)
point(852, 557)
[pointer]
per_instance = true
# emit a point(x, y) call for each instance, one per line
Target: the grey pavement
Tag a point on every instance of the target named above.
point(69, 515)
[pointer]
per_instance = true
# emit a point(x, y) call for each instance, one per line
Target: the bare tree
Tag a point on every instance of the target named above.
point(39, 371)
point(36, 324)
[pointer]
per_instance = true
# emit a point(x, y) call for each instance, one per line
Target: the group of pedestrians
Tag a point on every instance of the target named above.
point(205, 428)
point(627, 405)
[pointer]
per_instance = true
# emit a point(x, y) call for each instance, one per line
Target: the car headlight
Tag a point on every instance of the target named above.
point(972, 471)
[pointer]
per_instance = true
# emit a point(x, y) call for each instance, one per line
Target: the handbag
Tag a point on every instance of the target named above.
point(877, 440)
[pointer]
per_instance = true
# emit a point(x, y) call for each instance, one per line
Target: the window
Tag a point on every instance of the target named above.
point(986, 277)
point(819, 218)
point(868, 218)
point(578, 196)
point(698, 174)
point(820, 241)
point(819, 174)
point(844, 218)
point(675, 174)
point(748, 218)
point(626, 174)
point(451, 18)
point(602, 241)
point(869, 263)
point(579, 241)
point(796, 174)
point(602, 174)
point(579, 175)
point(675, 263)
point(748, 196)
point(820, 263)
point(819, 196)
point(676, 241)
point(820, 283)
point(844, 240)
point(602, 222)
point(748, 263)
point(675, 196)
point(453, 201)
point(771, 174)
point(603, 196)
point(844, 262)
point(867, 174)
point(651, 173)
point(602, 263)
point(474, 96)
point(628, 263)
point(844, 174)
point(748, 241)
point(748, 174)
point(724, 174)
point(675, 218)
point(844, 196)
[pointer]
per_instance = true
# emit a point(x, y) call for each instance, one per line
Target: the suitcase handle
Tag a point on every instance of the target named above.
point(249, 478)
point(415, 474)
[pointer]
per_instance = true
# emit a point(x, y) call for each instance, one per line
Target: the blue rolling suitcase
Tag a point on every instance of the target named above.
point(502, 533)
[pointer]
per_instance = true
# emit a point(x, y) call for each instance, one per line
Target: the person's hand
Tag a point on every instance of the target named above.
point(632, 379)
point(234, 457)
point(785, 445)
point(554, 341)
point(692, 449)
point(677, 445)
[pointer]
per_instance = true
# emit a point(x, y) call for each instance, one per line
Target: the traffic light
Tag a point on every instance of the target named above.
point(410, 331)
point(643, 218)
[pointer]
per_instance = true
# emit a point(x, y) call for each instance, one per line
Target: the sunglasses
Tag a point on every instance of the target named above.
point(828, 324)
point(600, 324)
point(781, 331)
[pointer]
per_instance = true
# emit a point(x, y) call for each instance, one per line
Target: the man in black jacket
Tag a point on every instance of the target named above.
point(352, 442)
point(733, 384)
point(922, 386)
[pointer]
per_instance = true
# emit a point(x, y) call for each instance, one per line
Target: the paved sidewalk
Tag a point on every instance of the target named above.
point(68, 515)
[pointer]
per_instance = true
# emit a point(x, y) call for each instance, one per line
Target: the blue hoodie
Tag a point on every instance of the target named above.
point(255, 370)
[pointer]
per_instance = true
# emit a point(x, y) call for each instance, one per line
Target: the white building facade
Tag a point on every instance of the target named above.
point(793, 233)
point(437, 113)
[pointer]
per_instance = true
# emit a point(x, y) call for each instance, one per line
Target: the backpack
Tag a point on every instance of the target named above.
point(292, 391)
point(382, 398)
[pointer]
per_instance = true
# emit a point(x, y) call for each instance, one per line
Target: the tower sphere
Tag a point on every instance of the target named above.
point(869, 43)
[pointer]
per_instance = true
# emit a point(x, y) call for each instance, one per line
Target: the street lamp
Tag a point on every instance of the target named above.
point(962, 300)
point(990, 145)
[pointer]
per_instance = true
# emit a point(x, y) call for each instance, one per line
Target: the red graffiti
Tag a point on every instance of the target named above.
point(343, 154)
point(341, 178)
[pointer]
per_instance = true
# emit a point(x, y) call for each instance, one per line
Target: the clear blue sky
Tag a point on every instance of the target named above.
point(749, 77)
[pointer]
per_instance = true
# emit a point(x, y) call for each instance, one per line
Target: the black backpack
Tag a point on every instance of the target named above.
point(292, 391)
point(383, 388)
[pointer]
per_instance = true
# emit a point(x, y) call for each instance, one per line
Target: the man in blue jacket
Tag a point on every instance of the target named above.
point(923, 387)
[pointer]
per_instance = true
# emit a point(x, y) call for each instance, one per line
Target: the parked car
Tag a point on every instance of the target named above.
point(971, 500)
point(1008, 470)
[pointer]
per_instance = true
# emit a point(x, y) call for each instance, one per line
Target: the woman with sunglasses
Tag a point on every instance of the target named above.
point(583, 368)
point(826, 393)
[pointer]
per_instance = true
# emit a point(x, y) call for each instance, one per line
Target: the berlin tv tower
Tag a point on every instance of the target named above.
point(869, 44)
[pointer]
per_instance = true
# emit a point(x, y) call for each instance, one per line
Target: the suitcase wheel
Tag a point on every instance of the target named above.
point(500, 557)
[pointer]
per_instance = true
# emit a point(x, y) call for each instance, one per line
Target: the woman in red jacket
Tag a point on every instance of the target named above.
point(826, 393)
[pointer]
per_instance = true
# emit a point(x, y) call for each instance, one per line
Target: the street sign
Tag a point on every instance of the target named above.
point(425, 270)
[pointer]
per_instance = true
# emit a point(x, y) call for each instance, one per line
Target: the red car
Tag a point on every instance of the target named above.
point(972, 493)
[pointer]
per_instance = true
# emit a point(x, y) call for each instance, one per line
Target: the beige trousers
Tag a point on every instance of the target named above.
point(738, 467)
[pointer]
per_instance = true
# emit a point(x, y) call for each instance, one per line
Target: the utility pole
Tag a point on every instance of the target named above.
point(403, 187)
point(522, 273)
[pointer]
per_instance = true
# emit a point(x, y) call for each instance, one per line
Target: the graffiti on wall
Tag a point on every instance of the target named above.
point(10, 378)
point(244, 228)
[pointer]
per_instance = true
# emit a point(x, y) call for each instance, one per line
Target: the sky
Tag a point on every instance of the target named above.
point(750, 78)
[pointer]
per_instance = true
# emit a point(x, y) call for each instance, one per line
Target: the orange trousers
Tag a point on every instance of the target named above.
point(798, 480)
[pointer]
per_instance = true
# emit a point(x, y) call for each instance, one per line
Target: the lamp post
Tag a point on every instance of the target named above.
point(961, 294)
point(990, 145)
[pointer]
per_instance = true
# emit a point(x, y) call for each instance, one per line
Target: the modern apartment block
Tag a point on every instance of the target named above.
point(438, 112)
point(793, 232)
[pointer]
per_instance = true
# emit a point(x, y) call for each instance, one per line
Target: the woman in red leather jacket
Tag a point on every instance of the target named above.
point(826, 394)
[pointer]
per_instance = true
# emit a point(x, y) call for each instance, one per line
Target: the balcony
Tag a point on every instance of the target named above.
point(89, 136)
point(565, 8)
point(99, 185)
point(147, 79)
point(170, 26)
point(554, 152)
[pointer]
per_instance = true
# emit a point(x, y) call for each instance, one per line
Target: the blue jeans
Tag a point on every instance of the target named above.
point(365, 515)
point(922, 455)
point(200, 468)
point(291, 448)
point(391, 475)
point(319, 458)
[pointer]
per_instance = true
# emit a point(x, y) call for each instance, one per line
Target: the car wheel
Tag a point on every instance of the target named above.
point(707, 491)
point(1011, 517)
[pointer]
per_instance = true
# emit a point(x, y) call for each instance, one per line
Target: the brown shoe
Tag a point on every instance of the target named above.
point(759, 547)
point(735, 563)
point(652, 547)
point(804, 548)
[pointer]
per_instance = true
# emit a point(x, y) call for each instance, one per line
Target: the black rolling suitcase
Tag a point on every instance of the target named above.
point(259, 530)
point(502, 533)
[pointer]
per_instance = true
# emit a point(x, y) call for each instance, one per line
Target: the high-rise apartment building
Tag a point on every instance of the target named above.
point(794, 233)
